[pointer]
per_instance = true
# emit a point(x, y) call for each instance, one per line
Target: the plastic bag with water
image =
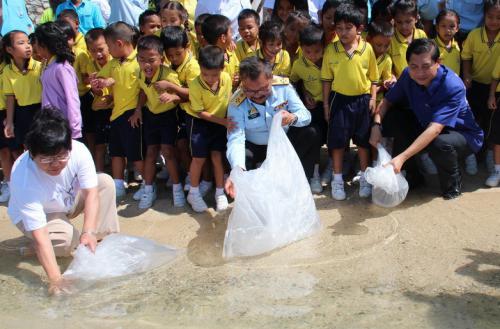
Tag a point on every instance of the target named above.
point(273, 205)
point(389, 188)
point(118, 255)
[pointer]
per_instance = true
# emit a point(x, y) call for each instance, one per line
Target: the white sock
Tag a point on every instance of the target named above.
point(194, 190)
point(497, 167)
point(148, 188)
point(338, 178)
point(177, 187)
point(316, 170)
point(219, 191)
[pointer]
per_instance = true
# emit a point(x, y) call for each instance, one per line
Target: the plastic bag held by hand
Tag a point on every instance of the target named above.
point(274, 205)
point(118, 255)
point(389, 188)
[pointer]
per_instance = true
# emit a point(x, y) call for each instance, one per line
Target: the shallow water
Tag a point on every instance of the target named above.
point(426, 264)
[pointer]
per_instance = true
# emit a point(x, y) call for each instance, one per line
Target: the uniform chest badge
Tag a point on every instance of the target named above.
point(282, 106)
point(253, 113)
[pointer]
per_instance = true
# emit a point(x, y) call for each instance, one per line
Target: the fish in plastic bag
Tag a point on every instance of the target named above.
point(118, 255)
point(389, 188)
point(273, 205)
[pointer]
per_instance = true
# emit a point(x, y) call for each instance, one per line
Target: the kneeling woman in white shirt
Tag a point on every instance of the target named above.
point(52, 183)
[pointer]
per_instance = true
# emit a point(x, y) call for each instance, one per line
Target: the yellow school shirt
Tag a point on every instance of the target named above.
point(105, 101)
point(190, 6)
point(164, 73)
point(310, 74)
point(449, 57)
point(243, 50)
point(82, 58)
point(193, 43)
point(397, 50)
point(126, 88)
point(231, 64)
point(187, 72)
point(80, 42)
point(281, 65)
point(202, 98)
point(384, 66)
point(483, 56)
point(26, 88)
point(496, 75)
point(2, 96)
point(352, 75)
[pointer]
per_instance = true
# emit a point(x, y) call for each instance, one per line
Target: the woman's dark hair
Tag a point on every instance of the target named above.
point(51, 36)
point(211, 58)
point(49, 133)
point(66, 29)
point(423, 46)
point(7, 42)
point(174, 37)
point(252, 67)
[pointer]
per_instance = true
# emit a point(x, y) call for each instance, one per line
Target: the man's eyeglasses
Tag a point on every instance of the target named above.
point(261, 91)
point(57, 158)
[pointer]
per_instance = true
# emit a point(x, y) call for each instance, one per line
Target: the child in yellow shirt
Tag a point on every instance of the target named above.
point(248, 27)
point(271, 48)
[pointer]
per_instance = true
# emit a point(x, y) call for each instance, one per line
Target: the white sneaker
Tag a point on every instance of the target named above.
point(471, 165)
point(205, 187)
point(120, 191)
point(493, 179)
point(163, 174)
point(179, 197)
point(197, 203)
point(315, 184)
point(4, 192)
point(490, 161)
point(338, 192)
point(137, 176)
point(428, 165)
point(326, 176)
point(365, 189)
point(147, 199)
point(187, 183)
point(221, 202)
point(138, 194)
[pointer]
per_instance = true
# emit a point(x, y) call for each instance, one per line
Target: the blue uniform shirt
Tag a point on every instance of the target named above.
point(471, 12)
point(253, 121)
point(88, 12)
point(15, 17)
point(443, 102)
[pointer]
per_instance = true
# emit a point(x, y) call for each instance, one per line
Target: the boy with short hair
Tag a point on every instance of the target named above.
point(248, 27)
point(70, 16)
point(307, 70)
point(349, 73)
point(120, 74)
point(271, 48)
point(217, 31)
point(209, 96)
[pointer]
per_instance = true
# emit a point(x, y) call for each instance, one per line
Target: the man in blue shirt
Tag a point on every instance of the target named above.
point(88, 12)
point(251, 110)
point(443, 121)
point(127, 10)
point(15, 17)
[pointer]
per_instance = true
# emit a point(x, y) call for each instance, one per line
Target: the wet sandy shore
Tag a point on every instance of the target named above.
point(429, 263)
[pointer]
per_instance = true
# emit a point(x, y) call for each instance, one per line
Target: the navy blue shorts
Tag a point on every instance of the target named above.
point(102, 126)
point(349, 118)
point(493, 133)
point(181, 122)
point(4, 141)
point(88, 115)
point(23, 118)
point(125, 141)
point(205, 136)
point(160, 129)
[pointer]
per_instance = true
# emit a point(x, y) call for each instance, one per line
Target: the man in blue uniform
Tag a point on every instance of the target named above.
point(252, 108)
point(443, 123)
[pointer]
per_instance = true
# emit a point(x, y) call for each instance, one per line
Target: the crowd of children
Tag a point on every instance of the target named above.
point(161, 90)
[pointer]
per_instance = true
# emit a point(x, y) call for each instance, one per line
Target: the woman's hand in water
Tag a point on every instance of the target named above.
point(59, 287)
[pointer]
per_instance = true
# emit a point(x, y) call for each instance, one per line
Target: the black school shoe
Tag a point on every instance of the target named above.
point(454, 191)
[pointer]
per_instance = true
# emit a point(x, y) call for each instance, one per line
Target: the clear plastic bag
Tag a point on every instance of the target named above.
point(274, 205)
point(118, 255)
point(389, 188)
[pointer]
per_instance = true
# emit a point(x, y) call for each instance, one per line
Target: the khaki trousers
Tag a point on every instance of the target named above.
point(64, 236)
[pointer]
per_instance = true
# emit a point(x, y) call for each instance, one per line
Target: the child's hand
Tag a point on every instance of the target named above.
point(467, 82)
point(326, 112)
point(492, 102)
point(169, 98)
point(8, 130)
point(388, 84)
point(372, 105)
point(232, 45)
point(136, 119)
point(309, 101)
point(236, 80)
point(230, 124)
point(163, 85)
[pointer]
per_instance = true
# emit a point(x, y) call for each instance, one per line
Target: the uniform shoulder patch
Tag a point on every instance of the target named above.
point(280, 81)
point(238, 97)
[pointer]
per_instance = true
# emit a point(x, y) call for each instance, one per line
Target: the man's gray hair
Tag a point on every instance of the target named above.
point(252, 67)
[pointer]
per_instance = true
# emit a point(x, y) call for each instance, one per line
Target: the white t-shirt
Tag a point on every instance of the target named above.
point(229, 8)
point(34, 193)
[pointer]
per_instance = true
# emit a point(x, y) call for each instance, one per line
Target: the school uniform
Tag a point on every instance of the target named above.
point(231, 64)
point(124, 140)
point(352, 77)
point(281, 65)
point(82, 58)
point(159, 119)
point(207, 136)
point(493, 134)
point(27, 89)
point(4, 141)
point(243, 50)
point(449, 57)
point(399, 46)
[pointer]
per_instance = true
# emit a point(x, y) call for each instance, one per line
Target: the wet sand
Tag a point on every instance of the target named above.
point(428, 263)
